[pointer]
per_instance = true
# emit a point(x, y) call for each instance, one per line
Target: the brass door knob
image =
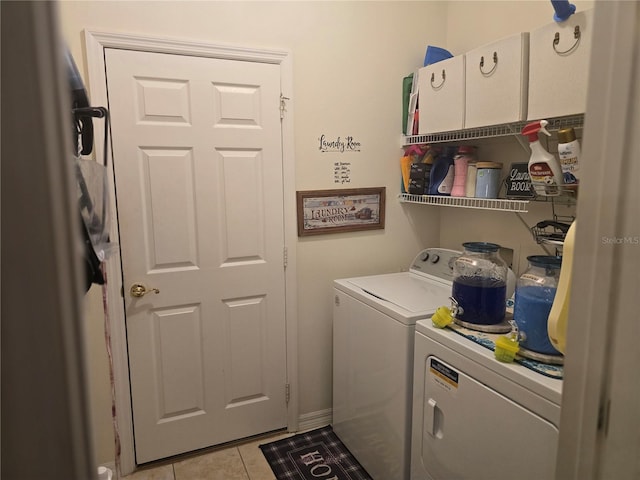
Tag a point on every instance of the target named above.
point(138, 290)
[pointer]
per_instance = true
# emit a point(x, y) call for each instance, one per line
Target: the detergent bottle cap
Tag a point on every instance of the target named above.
point(566, 135)
point(531, 130)
point(442, 317)
point(563, 10)
point(466, 149)
point(507, 346)
point(449, 151)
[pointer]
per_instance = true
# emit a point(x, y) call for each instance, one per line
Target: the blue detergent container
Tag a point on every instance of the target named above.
point(535, 292)
point(480, 284)
point(442, 173)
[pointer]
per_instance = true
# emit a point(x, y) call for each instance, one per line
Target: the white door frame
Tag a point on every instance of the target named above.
point(599, 420)
point(95, 43)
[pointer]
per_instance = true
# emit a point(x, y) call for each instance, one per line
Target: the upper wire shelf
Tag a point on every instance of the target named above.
point(493, 131)
point(504, 205)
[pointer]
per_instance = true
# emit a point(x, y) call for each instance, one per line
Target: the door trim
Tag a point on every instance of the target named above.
point(599, 393)
point(95, 44)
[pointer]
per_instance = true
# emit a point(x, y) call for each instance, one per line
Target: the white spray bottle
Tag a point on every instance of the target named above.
point(544, 169)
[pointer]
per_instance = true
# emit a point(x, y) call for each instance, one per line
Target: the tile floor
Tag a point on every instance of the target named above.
point(243, 461)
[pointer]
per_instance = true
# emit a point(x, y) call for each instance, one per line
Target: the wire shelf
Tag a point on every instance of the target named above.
point(494, 131)
point(498, 204)
point(550, 232)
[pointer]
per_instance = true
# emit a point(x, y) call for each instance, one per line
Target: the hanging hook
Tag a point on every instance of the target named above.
point(576, 36)
point(495, 64)
point(433, 77)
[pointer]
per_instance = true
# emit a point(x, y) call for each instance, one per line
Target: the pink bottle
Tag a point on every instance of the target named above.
point(465, 155)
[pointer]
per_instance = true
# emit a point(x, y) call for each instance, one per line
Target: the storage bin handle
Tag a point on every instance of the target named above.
point(495, 64)
point(576, 36)
point(433, 78)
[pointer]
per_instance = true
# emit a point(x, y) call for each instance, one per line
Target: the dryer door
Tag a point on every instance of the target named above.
point(473, 432)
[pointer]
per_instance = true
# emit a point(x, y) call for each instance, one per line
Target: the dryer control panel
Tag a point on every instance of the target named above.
point(436, 262)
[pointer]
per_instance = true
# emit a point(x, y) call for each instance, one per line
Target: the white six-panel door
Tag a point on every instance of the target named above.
point(198, 168)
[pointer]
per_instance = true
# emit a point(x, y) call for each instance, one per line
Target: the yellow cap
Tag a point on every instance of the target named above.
point(506, 348)
point(442, 317)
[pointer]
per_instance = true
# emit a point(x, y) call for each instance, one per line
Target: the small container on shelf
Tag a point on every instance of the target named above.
point(470, 180)
point(417, 186)
point(488, 179)
point(465, 155)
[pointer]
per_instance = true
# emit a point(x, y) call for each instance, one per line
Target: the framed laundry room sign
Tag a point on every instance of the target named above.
point(341, 210)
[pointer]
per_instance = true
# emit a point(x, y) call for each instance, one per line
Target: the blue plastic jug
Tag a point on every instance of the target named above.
point(442, 173)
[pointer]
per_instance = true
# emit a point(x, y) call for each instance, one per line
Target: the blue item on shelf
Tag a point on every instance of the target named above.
point(563, 9)
point(435, 54)
point(442, 173)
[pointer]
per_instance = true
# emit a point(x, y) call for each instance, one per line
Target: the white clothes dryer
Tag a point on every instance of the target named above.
point(373, 340)
point(475, 418)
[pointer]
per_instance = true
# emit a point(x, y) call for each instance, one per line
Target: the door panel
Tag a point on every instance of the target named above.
point(241, 213)
point(168, 185)
point(179, 362)
point(198, 169)
point(245, 355)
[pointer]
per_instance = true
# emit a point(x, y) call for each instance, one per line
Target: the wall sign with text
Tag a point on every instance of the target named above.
point(348, 144)
point(338, 144)
point(342, 210)
point(518, 181)
point(341, 172)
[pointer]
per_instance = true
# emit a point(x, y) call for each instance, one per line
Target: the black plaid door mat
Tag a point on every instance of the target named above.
point(317, 454)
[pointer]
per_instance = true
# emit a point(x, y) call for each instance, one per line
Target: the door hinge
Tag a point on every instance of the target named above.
point(285, 256)
point(603, 417)
point(287, 393)
point(283, 105)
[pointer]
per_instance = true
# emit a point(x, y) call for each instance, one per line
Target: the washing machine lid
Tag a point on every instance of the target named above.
point(410, 292)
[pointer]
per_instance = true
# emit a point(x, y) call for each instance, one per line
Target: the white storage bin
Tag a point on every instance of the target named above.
point(441, 96)
point(559, 56)
point(496, 79)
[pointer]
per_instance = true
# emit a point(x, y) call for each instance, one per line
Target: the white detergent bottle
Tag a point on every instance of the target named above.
point(559, 314)
point(544, 169)
point(569, 154)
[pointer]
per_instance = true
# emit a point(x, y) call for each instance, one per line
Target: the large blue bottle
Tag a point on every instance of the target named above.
point(442, 173)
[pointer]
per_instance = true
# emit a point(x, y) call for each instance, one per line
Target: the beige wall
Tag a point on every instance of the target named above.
point(348, 62)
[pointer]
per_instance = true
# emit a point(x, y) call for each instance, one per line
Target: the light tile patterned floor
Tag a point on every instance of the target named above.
point(241, 462)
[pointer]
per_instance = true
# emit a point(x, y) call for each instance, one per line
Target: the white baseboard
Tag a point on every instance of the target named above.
point(320, 418)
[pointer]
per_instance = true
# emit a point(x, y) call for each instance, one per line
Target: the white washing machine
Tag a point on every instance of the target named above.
point(373, 340)
point(475, 418)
